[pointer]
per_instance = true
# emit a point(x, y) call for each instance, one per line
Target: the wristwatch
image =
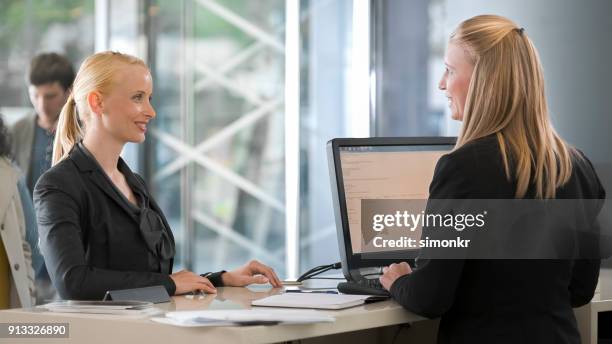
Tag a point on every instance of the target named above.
point(214, 278)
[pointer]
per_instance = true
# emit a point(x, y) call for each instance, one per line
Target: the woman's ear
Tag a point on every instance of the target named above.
point(94, 101)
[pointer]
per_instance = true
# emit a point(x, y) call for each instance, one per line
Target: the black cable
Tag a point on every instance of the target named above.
point(318, 270)
point(314, 271)
point(312, 274)
point(328, 278)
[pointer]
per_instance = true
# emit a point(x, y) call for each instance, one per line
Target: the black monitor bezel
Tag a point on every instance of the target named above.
point(354, 261)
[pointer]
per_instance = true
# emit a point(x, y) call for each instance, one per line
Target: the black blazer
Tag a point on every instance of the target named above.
point(499, 301)
point(91, 237)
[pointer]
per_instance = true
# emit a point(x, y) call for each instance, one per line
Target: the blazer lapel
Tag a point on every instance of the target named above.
point(90, 167)
point(104, 184)
point(135, 184)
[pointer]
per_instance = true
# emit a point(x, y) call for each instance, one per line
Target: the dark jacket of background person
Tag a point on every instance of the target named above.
point(22, 141)
point(89, 234)
point(499, 301)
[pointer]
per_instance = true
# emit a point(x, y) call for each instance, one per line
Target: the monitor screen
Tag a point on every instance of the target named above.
point(378, 169)
point(384, 172)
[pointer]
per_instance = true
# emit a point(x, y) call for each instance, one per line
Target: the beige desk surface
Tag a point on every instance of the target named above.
point(91, 328)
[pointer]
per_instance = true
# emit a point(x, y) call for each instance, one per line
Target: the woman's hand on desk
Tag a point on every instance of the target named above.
point(393, 272)
point(187, 281)
point(250, 273)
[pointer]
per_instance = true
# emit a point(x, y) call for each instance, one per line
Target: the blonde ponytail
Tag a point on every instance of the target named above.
point(68, 131)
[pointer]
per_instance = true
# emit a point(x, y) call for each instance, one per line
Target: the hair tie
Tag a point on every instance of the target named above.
point(520, 30)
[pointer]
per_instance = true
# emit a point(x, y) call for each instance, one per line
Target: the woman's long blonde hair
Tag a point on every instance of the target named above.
point(506, 98)
point(96, 74)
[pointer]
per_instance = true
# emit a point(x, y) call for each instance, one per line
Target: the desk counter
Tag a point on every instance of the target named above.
point(93, 328)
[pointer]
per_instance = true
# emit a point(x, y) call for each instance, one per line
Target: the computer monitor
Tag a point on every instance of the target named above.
point(377, 168)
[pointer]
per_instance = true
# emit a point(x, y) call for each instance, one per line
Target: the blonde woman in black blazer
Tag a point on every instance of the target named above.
point(99, 227)
point(507, 149)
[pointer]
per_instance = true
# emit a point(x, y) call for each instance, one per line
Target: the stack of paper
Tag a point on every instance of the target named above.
point(242, 317)
point(101, 307)
point(315, 300)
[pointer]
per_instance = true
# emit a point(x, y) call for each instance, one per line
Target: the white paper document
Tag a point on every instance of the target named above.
point(312, 300)
point(242, 317)
point(128, 308)
point(100, 307)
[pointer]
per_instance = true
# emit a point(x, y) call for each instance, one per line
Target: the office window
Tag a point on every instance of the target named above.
point(326, 28)
point(31, 27)
point(408, 40)
point(216, 155)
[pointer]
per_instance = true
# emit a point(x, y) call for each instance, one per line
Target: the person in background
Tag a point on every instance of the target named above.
point(507, 149)
point(50, 78)
point(100, 228)
point(16, 273)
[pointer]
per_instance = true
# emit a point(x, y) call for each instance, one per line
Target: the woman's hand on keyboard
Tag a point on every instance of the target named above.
point(393, 272)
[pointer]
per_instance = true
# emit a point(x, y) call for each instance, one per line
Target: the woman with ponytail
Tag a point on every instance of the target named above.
point(100, 229)
point(506, 149)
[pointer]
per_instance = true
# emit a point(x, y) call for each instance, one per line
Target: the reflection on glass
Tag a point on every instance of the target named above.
point(217, 154)
point(409, 42)
point(31, 27)
point(325, 57)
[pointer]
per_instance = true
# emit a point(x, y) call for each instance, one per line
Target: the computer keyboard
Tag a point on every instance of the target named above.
point(371, 282)
point(363, 287)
